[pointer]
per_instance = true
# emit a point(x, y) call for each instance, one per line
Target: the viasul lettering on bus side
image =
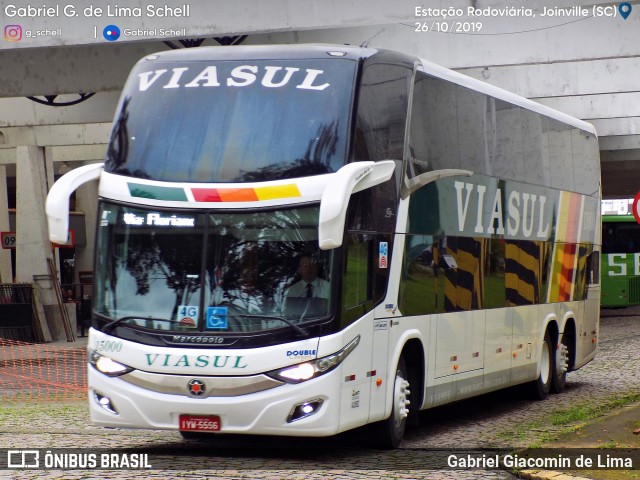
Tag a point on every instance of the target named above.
point(525, 212)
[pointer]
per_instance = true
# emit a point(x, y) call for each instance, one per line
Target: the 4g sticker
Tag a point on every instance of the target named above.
point(188, 315)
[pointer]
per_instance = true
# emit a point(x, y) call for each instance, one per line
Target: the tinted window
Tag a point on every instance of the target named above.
point(622, 237)
point(382, 112)
point(526, 265)
point(475, 129)
point(535, 148)
point(230, 121)
point(433, 140)
point(451, 273)
point(560, 155)
point(507, 159)
point(456, 127)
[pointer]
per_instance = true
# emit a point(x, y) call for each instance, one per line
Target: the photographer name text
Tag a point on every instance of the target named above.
point(552, 462)
point(93, 11)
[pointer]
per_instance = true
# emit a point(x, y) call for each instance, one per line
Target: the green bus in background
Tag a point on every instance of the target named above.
point(620, 261)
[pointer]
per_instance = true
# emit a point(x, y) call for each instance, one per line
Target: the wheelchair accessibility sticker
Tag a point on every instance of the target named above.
point(217, 317)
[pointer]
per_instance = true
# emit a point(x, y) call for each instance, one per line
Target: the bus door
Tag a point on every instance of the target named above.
point(380, 360)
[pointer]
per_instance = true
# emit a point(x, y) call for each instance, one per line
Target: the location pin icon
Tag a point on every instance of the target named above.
point(624, 9)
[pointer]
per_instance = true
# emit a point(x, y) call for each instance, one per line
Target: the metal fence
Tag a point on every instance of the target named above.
point(33, 371)
point(17, 312)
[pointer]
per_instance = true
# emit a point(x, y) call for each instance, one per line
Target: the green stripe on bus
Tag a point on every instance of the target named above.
point(157, 193)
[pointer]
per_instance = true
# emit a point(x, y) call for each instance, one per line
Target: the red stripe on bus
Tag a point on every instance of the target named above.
point(206, 195)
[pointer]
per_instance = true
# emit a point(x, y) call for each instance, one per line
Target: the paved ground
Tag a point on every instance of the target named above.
point(503, 419)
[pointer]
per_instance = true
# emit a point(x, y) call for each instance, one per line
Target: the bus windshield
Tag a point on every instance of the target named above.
point(208, 271)
point(233, 121)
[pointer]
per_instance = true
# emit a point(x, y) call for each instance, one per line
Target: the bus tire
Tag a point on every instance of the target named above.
point(561, 365)
point(542, 385)
point(391, 430)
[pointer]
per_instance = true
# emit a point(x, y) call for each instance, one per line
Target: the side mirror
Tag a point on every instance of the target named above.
point(57, 204)
point(352, 178)
point(411, 185)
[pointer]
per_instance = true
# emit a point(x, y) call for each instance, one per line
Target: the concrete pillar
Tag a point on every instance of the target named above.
point(48, 182)
point(33, 246)
point(6, 272)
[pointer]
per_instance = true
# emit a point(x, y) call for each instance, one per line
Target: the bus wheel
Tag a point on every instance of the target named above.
point(392, 429)
point(540, 388)
point(561, 364)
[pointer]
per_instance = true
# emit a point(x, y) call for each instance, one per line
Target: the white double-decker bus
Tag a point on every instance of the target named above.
point(300, 240)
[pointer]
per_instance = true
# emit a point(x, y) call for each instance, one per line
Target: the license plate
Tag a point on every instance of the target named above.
point(199, 423)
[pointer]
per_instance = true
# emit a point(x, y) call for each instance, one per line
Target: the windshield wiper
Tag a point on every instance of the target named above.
point(111, 325)
point(297, 328)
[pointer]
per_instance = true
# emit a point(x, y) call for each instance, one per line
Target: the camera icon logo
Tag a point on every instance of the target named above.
point(13, 33)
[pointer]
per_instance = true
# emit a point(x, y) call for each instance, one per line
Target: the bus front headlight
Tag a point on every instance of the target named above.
point(312, 369)
point(107, 365)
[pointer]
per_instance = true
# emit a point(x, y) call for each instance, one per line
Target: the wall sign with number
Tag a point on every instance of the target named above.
point(8, 239)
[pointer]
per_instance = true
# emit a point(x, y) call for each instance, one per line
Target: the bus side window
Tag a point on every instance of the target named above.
point(357, 289)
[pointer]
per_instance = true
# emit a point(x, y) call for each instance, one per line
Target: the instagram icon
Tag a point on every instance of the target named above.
point(13, 33)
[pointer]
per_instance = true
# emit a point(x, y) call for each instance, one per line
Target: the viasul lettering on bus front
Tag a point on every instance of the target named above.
point(240, 76)
point(199, 361)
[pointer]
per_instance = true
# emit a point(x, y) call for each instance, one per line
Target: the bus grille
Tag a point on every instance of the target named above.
point(634, 290)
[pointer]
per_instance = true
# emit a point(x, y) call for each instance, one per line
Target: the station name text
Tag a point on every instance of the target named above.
point(510, 11)
point(93, 11)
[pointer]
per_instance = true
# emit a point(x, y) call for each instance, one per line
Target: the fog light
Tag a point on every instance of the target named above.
point(105, 402)
point(304, 410)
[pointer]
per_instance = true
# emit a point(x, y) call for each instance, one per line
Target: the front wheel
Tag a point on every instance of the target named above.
point(540, 388)
point(391, 430)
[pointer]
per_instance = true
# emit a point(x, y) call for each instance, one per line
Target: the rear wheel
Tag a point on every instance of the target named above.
point(540, 388)
point(561, 365)
point(392, 429)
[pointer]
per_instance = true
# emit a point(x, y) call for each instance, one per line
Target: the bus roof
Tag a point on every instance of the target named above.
point(263, 52)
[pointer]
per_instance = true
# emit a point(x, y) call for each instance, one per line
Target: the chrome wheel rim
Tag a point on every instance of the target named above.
point(400, 399)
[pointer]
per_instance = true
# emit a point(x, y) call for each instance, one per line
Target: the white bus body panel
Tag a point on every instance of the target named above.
point(259, 413)
point(345, 391)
